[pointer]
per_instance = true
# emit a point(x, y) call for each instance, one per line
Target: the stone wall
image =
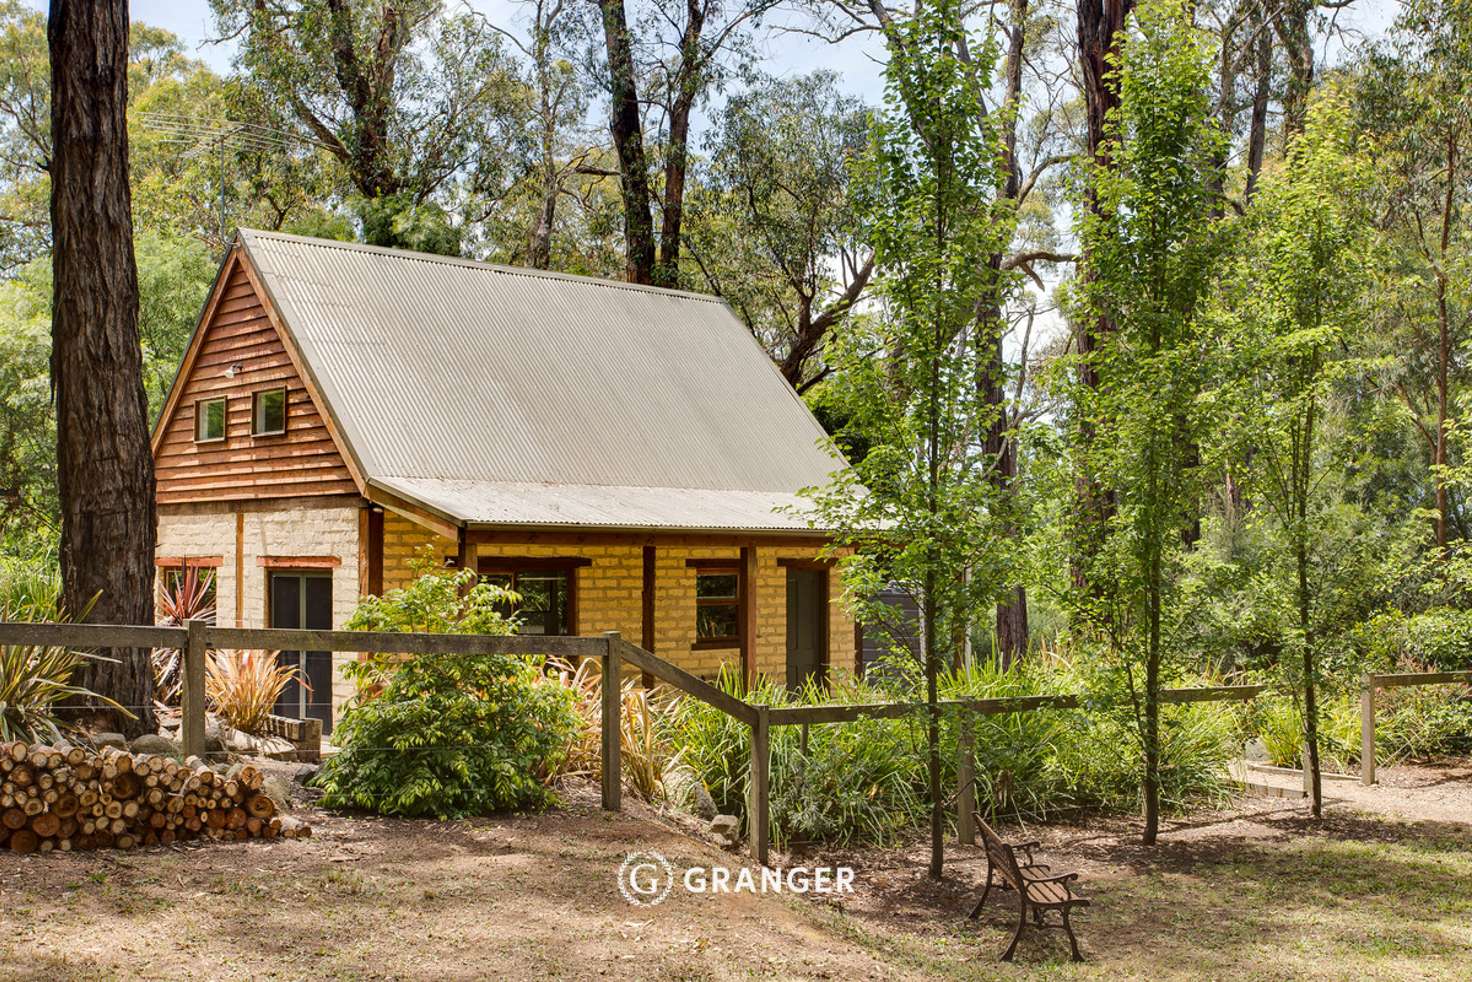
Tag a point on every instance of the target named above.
point(328, 531)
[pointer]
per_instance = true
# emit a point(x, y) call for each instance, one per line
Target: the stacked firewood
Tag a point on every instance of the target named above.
point(68, 797)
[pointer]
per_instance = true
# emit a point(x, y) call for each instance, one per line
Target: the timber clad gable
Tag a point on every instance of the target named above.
point(305, 460)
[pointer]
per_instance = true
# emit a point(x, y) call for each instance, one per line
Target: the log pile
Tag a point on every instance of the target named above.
point(66, 797)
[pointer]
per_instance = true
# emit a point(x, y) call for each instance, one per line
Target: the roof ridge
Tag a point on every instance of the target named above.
point(430, 257)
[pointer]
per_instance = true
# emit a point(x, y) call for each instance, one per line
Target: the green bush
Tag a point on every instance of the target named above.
point(865, 781)
point(448, 735)
point(1411, 723)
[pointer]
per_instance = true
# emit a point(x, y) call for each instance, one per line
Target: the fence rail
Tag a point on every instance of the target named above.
point(1392, 680)
point(196, 638)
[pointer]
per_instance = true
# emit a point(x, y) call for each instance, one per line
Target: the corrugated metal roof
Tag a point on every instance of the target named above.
point(606, 506)
point(528, 396)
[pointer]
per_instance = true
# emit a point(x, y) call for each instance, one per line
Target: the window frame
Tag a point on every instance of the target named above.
point(255, 410)
point(516, 566)
point(199, 409)
point(721, 567)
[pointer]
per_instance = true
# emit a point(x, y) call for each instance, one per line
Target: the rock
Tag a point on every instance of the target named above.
point(305, 773)
point(213, 740)
point(100, 740)
point(705, 805)
point(237, 741)
point(152, 743)
point(727, 828)
point(1256, 751)
point(278, 791)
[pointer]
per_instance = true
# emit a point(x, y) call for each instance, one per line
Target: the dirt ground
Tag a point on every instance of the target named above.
point(1258, 892)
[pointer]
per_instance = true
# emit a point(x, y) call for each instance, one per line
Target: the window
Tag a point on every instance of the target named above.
point(209, 420)
point(268, 414)
point(546, 591)
point(717, 607)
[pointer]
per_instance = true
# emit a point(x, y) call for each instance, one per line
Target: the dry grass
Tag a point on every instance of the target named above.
point(243, 686)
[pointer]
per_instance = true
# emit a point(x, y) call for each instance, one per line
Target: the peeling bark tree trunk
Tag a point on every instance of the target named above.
point(104, 464)
point(1291, 23)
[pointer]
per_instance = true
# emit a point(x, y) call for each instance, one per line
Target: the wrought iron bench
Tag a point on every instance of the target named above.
point(1037, 891)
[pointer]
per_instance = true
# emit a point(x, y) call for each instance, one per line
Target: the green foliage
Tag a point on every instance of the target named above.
point(451, 736)
point(436, 601)
point(447, 735)
point(35, 679)
point(1153, 242)
point(865, 781)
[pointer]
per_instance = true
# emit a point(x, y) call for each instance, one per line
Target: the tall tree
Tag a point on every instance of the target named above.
point(908, 374)
point(104, 464)
point(1298, 279)
point(669, 64)
point(1152, 243)
point(1101, 32)
point(772, 227)
point(417, 105)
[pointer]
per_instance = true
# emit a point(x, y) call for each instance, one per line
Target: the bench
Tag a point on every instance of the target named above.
point(1037, 891)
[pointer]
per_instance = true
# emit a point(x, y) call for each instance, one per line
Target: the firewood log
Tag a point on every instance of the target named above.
point(46, 825)
point(23, 840)
point(13, 818)
point(260, 806)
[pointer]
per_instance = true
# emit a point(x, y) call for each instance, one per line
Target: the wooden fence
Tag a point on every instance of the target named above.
point(610, 650)
point(1367, 708)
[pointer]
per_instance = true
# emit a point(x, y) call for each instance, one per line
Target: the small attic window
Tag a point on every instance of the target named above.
point(209, 420)
point(268, 413)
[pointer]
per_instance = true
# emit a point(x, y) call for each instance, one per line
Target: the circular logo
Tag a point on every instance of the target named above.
point(645, 878)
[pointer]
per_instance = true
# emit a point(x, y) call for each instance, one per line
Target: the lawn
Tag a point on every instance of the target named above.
point(1259, 892)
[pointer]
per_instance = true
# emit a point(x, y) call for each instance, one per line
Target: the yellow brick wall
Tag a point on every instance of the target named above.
point(609, 594)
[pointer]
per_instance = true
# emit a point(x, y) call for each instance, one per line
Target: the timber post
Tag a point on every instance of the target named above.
point(758, 810)
point(1367, 732)
point(612, 694)
point(966, 783)
point(195, 652)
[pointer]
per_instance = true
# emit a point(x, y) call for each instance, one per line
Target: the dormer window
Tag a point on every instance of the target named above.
point(268, 413)
point(209, 420)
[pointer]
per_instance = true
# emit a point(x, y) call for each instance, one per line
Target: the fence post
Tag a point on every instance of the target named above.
point(192, 730)
point(1367, 732)
point(966, 784)
point(758, 812)
point(612, 724)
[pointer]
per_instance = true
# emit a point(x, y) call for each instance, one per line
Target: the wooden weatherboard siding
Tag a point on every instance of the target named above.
point(306, 460)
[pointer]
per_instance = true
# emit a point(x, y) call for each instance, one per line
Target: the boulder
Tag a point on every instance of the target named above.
point(726, 828)
point(705, 805)
point(1256, 751)
point(100, 740)
point(278, 791)
point(152, 743)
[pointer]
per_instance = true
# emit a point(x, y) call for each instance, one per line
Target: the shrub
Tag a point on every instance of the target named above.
point(865, 781)
point(188, 596)
point(243, 686)
point(441, 734)
point(34, 678)
point(451, 736)
point(644, 750)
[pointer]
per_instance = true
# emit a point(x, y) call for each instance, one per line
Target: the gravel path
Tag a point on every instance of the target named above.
point(1430, 793)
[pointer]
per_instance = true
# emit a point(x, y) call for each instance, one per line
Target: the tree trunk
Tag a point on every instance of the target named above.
point(1100, 34)
point(1152, 715)
point(1262, 87)
point(1444, 345)
point(1291, 23)
point(677, 156)
point(104, 463)
point(627, 131)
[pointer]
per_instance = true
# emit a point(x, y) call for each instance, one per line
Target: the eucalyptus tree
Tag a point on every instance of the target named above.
point(1415, 97)
point(104, 464)
point(772, 227)
point(666, 57)
point(907, 374)
point(1152, 243)
point(1294, 294)
point(419, 105)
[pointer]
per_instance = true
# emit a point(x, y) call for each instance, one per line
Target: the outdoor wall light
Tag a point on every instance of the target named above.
point(234, 370)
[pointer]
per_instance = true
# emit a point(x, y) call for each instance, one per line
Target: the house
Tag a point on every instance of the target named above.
point(626, 458)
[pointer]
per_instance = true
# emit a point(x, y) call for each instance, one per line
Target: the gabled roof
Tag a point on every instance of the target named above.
point(494, 395)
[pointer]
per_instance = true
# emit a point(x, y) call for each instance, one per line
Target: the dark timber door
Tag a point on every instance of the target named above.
point(807, 635)
point(304, 600)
